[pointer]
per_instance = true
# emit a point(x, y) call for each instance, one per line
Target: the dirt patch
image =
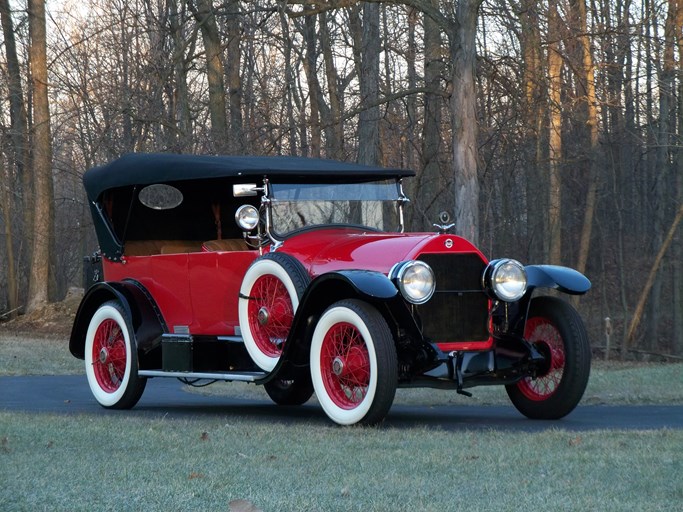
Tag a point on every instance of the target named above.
point(52, 320)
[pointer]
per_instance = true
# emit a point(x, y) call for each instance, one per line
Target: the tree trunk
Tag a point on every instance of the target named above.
point(678, 248)
point(588, 80)
point(289, 85)
point(638, 314)
point(311, 70)
point(181, 96)
point(42, 160)
point(335, 132)
point(6, 210)
point(431, 196)
point(204, 15)
point(464, 119)
point(411, 101)
point(368, 124)
point(236, 143)
point(662, 178)
point(554, 235)
point(534, 95)
point(19, 121)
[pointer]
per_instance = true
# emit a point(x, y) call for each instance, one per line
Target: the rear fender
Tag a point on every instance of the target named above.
point(146, 319)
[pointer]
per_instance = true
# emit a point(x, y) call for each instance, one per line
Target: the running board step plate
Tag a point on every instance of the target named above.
point(228, 376)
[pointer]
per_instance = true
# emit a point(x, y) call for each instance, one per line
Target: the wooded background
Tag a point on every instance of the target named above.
point(550, 130)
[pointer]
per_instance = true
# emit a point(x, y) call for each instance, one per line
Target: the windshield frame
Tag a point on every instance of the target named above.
point(269, 199)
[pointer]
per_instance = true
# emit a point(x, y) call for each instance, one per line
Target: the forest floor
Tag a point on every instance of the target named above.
point(52, 320)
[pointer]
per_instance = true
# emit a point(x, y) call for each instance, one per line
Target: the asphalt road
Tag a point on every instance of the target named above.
point(168, 398)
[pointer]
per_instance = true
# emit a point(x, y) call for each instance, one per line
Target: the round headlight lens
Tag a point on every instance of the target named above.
point(508, 280)
point(415, 280)
point(247, 217)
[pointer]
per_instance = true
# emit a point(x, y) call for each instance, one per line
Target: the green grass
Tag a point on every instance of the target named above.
point(123, 463)
point(118, 462)
point(20, 355)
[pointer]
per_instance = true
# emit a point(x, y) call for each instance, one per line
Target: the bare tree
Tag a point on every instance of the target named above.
point(587, 81)
point(433, 184)
point(6, 210)
point(42, 160)
point(335, 129)
point(368, 122)
point(464, 120)
point(236, 143)
point(205, 16)
point(554, 235)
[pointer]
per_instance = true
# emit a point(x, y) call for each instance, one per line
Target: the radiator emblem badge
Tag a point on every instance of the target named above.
point(448, 243)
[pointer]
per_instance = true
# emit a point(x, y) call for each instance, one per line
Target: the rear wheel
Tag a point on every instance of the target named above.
point(557, 332)
point(354, 366)
point(269, 297)
point(111, 363)
point(290, 392)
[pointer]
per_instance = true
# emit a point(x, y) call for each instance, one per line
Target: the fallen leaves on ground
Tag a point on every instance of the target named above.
point(242, 506)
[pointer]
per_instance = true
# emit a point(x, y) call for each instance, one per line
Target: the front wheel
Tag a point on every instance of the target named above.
point(354, 367)
point(557, 331)
point(111, 363)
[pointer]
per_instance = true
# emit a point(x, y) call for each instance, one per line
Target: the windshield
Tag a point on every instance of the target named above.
point(368, 205)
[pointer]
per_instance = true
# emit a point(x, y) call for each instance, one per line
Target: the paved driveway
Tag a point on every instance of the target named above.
point(169, 398)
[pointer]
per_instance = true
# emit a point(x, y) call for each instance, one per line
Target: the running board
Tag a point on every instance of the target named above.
point(229, 376)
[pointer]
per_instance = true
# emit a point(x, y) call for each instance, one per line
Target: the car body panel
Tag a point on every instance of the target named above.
point(197, 293)
point(330, 250)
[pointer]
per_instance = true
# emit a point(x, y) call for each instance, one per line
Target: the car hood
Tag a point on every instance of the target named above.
point(328, 250)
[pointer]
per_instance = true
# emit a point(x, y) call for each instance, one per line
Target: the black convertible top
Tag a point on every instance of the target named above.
point(148, 168)
point(118, 217)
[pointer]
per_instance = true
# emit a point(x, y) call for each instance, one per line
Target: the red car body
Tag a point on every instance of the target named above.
point(304, 293)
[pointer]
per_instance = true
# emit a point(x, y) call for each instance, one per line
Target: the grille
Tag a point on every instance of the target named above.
point(458, 311)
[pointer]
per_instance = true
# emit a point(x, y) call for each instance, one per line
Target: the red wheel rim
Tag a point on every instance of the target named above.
point(270, 314)
point(542, 333)
point(345, 365)
point(109, 355)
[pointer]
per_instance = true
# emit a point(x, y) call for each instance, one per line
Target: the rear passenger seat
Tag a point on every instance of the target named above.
point(228, 244)
point(150, 247)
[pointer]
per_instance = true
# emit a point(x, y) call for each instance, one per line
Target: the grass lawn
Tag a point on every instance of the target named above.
point(104, 463)
point(93, 462)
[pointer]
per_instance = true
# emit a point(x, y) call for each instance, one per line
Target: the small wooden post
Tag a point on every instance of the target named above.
point(608, 335)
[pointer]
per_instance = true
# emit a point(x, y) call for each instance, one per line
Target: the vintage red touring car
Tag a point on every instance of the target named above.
point(296, 274)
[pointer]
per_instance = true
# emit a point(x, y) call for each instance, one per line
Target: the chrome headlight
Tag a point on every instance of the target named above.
point(247, 217)
point(505, 279)
point(415, 280)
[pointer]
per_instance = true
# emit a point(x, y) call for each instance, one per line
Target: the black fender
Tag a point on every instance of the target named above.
point(326, 289)
point(146, 319)
point(563, 279)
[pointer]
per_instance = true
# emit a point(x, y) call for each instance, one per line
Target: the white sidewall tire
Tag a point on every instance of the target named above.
point(338, 414)
point(258, 269)
point(104, 398)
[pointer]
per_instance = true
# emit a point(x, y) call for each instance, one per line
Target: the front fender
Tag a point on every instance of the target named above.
point(325, 290)
point(563, 279)
point(145, 317)
point(365, 284)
